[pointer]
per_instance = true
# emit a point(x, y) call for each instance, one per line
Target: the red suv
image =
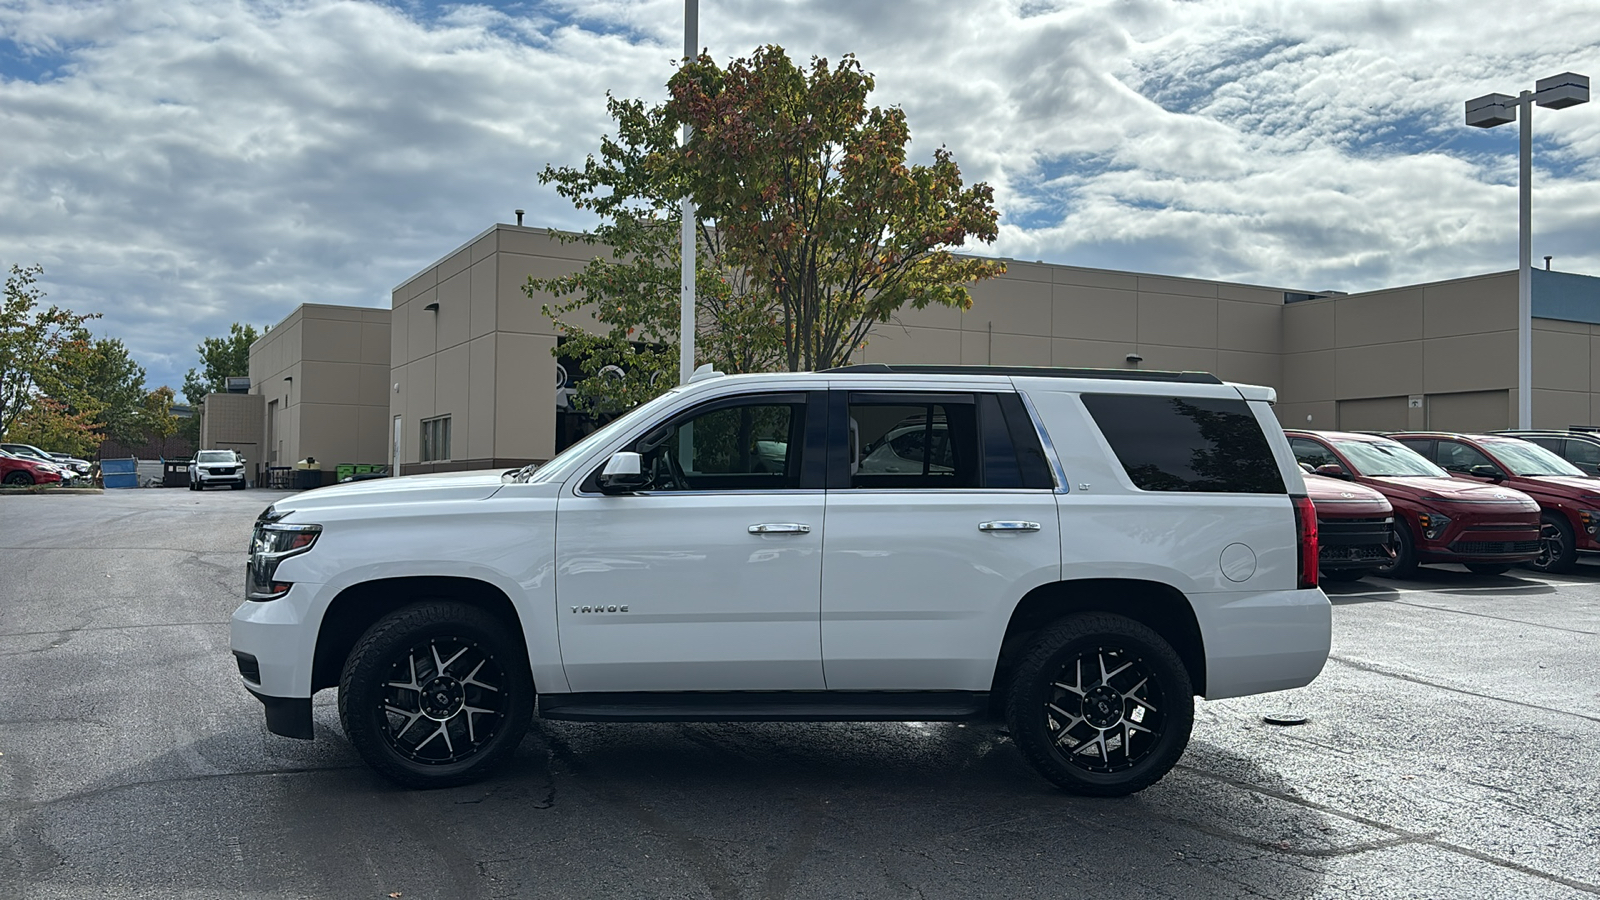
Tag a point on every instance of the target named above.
point(1569, 499)
point(1355, 528)
point(1489, 528)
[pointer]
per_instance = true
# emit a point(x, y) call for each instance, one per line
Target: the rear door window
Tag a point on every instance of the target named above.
point(1187, 443)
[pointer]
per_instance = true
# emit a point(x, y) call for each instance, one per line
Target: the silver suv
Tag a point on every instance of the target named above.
point(1077, 552)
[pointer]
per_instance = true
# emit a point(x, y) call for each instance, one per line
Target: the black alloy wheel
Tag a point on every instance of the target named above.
point(1558, 551)
point(19, 477)
point(1100, 705)
point(1405, 553)
point(436, 695)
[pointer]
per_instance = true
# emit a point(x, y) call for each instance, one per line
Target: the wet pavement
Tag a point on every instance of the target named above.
point(1452, 749)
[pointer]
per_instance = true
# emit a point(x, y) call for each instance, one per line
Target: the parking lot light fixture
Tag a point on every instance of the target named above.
point(1488, 111)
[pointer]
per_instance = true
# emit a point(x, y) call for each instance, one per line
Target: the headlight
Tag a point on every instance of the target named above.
point(1590, 520)
point(270, 545)
point(1433, 524)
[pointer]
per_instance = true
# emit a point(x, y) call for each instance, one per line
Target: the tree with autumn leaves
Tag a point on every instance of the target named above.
point(813, 227)
point(60, 387)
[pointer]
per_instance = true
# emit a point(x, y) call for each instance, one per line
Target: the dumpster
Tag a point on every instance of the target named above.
point(175, 473)
point(343, 471)
point(119, 473)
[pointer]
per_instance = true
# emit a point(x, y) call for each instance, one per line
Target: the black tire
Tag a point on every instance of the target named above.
point(1488, 568)
point(1147, 705)
point(19, 477)
point(1347, 574)
point(482, 704)
point(1405, 553)
point(1558, 550)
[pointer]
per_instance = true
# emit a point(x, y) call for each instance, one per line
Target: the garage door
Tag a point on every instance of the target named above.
point(1470, 411)
point(1374, 414)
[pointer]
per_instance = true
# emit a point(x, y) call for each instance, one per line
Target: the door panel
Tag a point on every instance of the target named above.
point(710, 606)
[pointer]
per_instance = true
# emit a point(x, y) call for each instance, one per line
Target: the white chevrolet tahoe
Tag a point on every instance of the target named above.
point(1079, 551)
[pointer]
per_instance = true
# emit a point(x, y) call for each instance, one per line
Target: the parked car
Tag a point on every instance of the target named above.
point(211, 467)
point(713, 555)
point(1488, 528)
point(30, 452)
point(1568, 499)
point(1355, 528)
point(81, 466)
point(21, 470)
point(1581, 448)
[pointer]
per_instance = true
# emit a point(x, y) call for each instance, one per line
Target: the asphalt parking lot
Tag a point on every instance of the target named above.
point(1452, 749)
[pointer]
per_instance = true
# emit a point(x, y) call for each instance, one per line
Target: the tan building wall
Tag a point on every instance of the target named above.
point(1440, 355)
point(483, 356)
point(323, 378)
point(233, 422)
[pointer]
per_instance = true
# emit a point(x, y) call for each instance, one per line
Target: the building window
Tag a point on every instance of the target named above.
point(436, 439)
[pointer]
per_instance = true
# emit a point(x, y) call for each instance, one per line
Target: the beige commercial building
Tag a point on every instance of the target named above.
point(321, 377)
point(233, 422)
point(474, 383)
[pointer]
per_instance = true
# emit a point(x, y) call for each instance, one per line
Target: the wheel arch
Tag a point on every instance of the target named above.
point(356, 607)
point(1161, 607)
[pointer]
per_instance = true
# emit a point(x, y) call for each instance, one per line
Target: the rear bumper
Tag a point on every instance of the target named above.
point(1263, 641)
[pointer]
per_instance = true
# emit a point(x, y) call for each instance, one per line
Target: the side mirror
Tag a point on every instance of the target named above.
point(1332, 470)
point(1490, 472)
point(623, 473)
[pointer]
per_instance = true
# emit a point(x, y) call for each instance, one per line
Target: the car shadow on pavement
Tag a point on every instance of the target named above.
point(869, 809)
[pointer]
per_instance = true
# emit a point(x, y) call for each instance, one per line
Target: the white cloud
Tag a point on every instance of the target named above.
point(182, 164)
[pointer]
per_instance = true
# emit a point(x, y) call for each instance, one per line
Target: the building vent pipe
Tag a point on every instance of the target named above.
point(519, 217)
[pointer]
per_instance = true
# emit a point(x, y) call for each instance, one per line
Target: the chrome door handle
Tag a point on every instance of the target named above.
point(781, 528)
point(1008, 526)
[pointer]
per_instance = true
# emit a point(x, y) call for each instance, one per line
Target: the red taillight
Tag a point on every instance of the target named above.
point(1305, 527)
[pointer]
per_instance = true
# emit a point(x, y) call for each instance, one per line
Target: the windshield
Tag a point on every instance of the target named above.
point(215, 456)
point(1526, 459)
point(556, 467)
point(1387, 459)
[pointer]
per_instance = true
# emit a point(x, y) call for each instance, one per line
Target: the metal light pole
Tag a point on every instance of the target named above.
point(691, 38)
point(1556, 92)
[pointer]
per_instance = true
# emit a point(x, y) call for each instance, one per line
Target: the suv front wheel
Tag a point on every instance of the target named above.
point(1100, 705)
point(435, 695)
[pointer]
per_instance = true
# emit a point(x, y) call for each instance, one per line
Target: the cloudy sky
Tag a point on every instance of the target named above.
point(182, 164)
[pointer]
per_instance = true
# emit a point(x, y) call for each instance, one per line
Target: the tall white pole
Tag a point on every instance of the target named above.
point(691, 40)
point(1524, 266)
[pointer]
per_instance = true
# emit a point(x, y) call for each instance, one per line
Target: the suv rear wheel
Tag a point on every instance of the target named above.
point(434, 695)
point(1100, 705)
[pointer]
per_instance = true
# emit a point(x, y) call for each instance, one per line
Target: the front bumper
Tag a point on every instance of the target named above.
point(274, 646)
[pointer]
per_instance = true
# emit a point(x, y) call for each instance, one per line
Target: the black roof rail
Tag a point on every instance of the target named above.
point(1029, 372)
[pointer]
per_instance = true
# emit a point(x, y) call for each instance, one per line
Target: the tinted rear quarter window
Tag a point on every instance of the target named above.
point(1187, 443)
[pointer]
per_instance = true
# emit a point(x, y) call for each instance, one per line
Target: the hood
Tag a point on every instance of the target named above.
point(447, 486)
point(1337, 495)
point(1454, 491)
point(1570, 487)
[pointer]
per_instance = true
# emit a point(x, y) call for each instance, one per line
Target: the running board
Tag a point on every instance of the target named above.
point(766, 706)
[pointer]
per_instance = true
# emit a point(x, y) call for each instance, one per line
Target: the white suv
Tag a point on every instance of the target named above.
point(211, 467)
point(1089, 551)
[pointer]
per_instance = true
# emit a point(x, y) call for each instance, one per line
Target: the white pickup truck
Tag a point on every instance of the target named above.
point(1081, 552)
